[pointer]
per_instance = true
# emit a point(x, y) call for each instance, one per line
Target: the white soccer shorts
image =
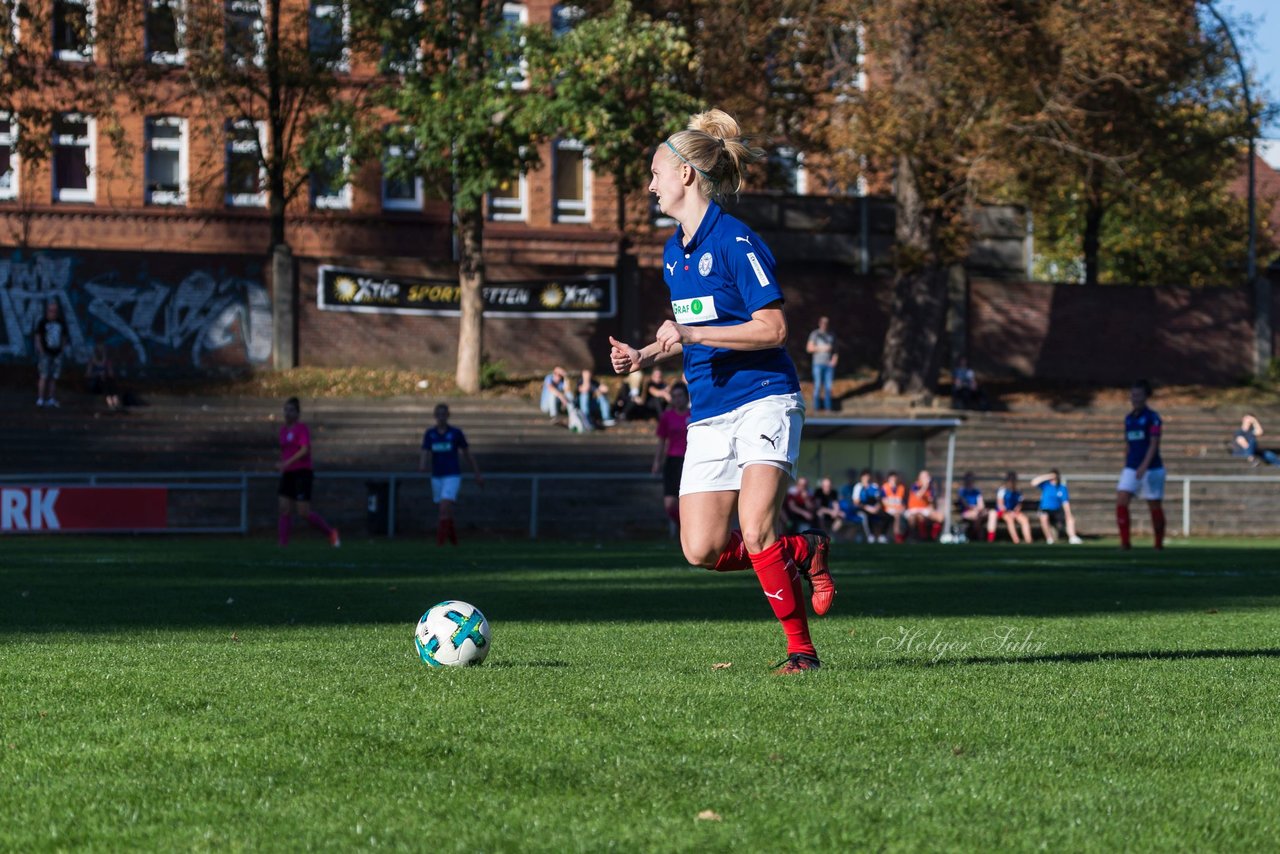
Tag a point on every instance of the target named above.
point(1151, 488)
point(765, 431)
point(445, 488)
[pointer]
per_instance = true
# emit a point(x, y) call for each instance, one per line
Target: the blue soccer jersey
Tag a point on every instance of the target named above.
point(721, 278)
point(1053, 495)
point(1140, 430)
point(444, 447)
point(970, 496)
point(1011, 498)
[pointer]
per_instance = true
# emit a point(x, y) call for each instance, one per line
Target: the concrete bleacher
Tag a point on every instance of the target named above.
point(1033, 439)
point(509, 435)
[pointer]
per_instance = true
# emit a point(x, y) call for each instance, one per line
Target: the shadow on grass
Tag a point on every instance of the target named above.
point(1096, 657)
point(93, 585)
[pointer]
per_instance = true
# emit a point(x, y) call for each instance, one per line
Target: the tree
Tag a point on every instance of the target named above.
point(457, 93)
point(615, 79)
point(1137, 133)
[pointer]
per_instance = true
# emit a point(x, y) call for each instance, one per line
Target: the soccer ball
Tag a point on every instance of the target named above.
point(452, 634)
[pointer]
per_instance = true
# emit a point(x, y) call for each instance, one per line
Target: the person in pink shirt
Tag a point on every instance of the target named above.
point(673, 426)
point(296, 477)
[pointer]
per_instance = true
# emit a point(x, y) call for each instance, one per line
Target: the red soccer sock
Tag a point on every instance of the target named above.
point(781, 583)
point(451, 530)
point(673, 513)
point(317, 521)
point(284, 525)
point(440, 532)
point(1157, 524)
point(1122, 522)
point(734, 557)
point(796, 547)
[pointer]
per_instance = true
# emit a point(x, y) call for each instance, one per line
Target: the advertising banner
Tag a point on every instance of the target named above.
point(339, 289)
point(56, 509)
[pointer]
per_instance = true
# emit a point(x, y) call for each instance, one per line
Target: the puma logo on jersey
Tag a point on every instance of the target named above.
point(746, 240)
point(671, 269)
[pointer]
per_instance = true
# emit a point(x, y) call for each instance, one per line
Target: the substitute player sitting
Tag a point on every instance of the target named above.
point(1055, 507)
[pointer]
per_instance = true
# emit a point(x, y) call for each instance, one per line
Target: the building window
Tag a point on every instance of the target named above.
point(402, 53)
point(246, 177)
point(786, 171)
point(564, 17)
point(329, 188)
point(166, 27)
point(8, 157)
point(509, 201)
point(73, 30)
point(166, 161)
point(399, 194)
point(246, 39)
point(329, 30)
point(515, 16)
point(571, 178)
point(73, 158)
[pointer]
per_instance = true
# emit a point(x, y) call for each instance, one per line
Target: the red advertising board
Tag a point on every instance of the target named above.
point(54, 509)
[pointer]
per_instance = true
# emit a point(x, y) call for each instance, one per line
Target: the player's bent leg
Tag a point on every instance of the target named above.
point(704, 529)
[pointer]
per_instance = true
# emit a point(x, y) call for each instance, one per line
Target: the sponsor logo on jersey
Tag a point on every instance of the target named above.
point(761, 276)
point(694, 310)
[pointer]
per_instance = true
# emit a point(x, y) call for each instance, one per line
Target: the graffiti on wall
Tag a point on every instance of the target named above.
point(164, 311)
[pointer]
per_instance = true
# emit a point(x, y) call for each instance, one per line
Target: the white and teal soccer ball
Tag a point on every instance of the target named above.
point(452, 634)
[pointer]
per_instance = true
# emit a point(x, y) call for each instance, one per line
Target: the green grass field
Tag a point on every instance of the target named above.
point(179, 694)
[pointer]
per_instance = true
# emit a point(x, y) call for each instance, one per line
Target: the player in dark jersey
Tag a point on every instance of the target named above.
point(1143, 473)
point(747, 410)
point(443, 444)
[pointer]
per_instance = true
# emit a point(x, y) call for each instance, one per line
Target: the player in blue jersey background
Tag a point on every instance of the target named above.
point(443, 444)
point(1143, 473)
point(746, 408)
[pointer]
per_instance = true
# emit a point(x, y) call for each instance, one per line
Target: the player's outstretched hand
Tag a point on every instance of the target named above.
point(623, 357)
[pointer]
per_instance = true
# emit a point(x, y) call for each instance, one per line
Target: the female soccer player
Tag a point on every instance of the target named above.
point(1143, 472)
point(444, 444)
point(296, 477)
point(747, 410)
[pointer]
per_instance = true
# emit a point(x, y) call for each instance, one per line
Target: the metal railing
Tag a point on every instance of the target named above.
point(240, 482)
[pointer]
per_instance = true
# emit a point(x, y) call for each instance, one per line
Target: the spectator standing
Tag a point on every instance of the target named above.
point(894, 498)
point(668, 460)
point(100, 376)
point(555, 393)
point(1009, 508)
point(1055, 507)
point(965, 392)
point(821, 347)
point(1245, 443)
point(746, 408)
point(922, 507)
point(51, 335)
point(444, 444)
point(973, 509)
point(1143, 473)
point(297, 477)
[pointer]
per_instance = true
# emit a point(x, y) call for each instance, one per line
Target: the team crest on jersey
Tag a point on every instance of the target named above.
point(704, 263)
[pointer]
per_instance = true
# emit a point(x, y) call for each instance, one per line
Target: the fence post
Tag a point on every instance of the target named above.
point(391, 508)
point(533, 507)
point(244, 504)
point(1186, 507)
